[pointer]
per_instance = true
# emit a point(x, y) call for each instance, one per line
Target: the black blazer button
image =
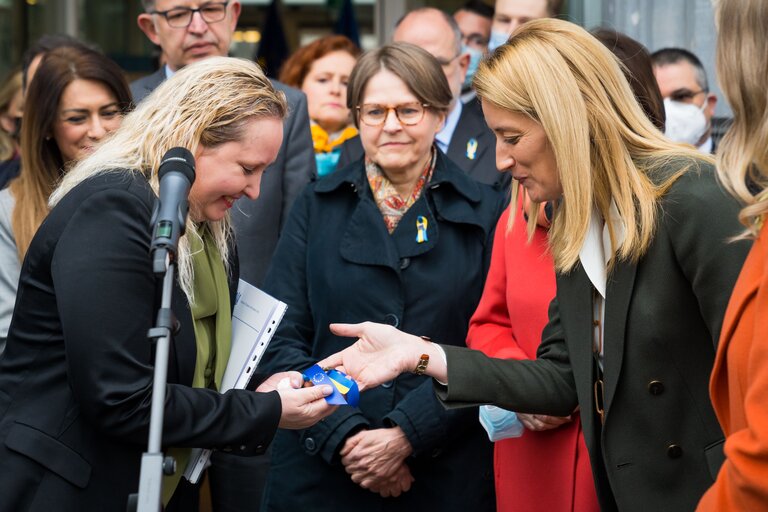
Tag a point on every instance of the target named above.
point(674, 451)
point(392, 320)
point(404, 262)
point(309, 444)
point(655, 387)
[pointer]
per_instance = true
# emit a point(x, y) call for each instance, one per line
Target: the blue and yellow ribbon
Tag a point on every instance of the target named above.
point(345, 389)
point(421, 229)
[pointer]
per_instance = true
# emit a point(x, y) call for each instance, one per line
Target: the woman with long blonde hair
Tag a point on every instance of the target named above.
point(639, 242)
point(739, 384)
point(78, 368)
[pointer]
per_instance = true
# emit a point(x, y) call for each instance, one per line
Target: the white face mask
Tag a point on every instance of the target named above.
point(497, 39)
point(685, 122)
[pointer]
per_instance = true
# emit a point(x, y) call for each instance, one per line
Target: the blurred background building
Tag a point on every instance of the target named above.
point(111, 25)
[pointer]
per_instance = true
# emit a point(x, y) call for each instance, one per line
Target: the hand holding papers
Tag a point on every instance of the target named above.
point(254, 320)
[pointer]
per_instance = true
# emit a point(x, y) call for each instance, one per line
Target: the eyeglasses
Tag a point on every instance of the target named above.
point(408, 114)
point(181, 17)
point(446, 62)
point(685, 95)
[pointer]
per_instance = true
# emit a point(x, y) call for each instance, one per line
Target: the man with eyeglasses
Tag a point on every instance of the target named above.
point(464, 138)
point(688, 104)
point(188, 31)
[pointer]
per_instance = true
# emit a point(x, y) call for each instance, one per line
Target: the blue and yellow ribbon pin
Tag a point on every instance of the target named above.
point(345, 389)
point(471, 148)
point(421, 229)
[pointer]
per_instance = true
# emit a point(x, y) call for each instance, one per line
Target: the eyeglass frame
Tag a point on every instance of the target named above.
point(198, 9)
point(447, 62)
point(389, 108)
point(685, 95)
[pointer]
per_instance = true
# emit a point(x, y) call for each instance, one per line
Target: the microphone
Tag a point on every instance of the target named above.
point(169, 218)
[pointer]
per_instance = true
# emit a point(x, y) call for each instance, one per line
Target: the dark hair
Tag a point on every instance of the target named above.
point(418, 70)
point(41, 160)
point(297, 67)
point(667, 56)
point(638, 70)
point(45, 44)
point(477, 7)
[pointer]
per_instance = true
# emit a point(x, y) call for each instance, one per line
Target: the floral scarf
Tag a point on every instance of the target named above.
point(391, 205)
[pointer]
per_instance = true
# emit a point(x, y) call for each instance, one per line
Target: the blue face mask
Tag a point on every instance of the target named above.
point(497, 39)
point(475, 56)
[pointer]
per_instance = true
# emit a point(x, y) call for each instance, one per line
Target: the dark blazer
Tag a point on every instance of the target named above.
point(76, 375)
point(144, 86)
point(661, 446)
point(258, 223)
point(471, 125)
point(336, 262)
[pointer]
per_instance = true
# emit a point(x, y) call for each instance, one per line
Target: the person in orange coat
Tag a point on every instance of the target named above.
point(739, 384)
point(547, 469)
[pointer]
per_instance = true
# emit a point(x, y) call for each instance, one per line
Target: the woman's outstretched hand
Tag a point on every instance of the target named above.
point(380, 354)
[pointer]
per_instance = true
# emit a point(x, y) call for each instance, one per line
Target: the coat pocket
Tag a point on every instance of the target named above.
point(49, 453)
point(715, 457)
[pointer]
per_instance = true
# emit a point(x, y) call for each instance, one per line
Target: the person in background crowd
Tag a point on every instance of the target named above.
point(76, 377)
point(638, 70)
point(10, 126)
point(631, 350)
point(410, 245)
point(464, 136)
point(321, 70)
point(510, 14)
point(78, 96)
point(739, 384)
point(32, 57)
point(688, 103)
point(474, 19)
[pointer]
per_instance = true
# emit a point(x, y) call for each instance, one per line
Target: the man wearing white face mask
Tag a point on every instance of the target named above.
point(510, 14)
point(688, 104)
point(474, 19)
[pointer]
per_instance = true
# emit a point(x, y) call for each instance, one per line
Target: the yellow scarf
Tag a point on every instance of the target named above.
point(322, 140)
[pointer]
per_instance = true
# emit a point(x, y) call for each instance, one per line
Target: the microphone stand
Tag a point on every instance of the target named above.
point(153, 464)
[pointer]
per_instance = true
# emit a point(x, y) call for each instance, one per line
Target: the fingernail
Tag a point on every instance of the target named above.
point(327, 390)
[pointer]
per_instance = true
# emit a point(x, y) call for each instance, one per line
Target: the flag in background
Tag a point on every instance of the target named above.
point(273, 47)
point(346, 24)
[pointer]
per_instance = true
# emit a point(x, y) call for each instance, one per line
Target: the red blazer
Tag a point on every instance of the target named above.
point(545, 471)
point(739, 391)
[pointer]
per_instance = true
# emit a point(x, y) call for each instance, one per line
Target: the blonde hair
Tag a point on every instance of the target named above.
point(205, 104)
point(742, 69)
point(605, 146)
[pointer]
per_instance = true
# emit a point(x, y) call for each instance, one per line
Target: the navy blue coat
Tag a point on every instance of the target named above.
point(336, 262)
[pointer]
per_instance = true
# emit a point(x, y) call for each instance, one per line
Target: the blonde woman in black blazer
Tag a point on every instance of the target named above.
point(76, 377)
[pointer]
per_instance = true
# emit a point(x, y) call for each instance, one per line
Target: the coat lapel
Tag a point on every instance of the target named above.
point(469, 141)
point(366, 240)
point(620, 286)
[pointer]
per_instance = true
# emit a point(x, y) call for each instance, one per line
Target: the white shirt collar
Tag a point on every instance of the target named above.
point(706, 147)
point(596, 251)
point(168, 72)
point(443, 137)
